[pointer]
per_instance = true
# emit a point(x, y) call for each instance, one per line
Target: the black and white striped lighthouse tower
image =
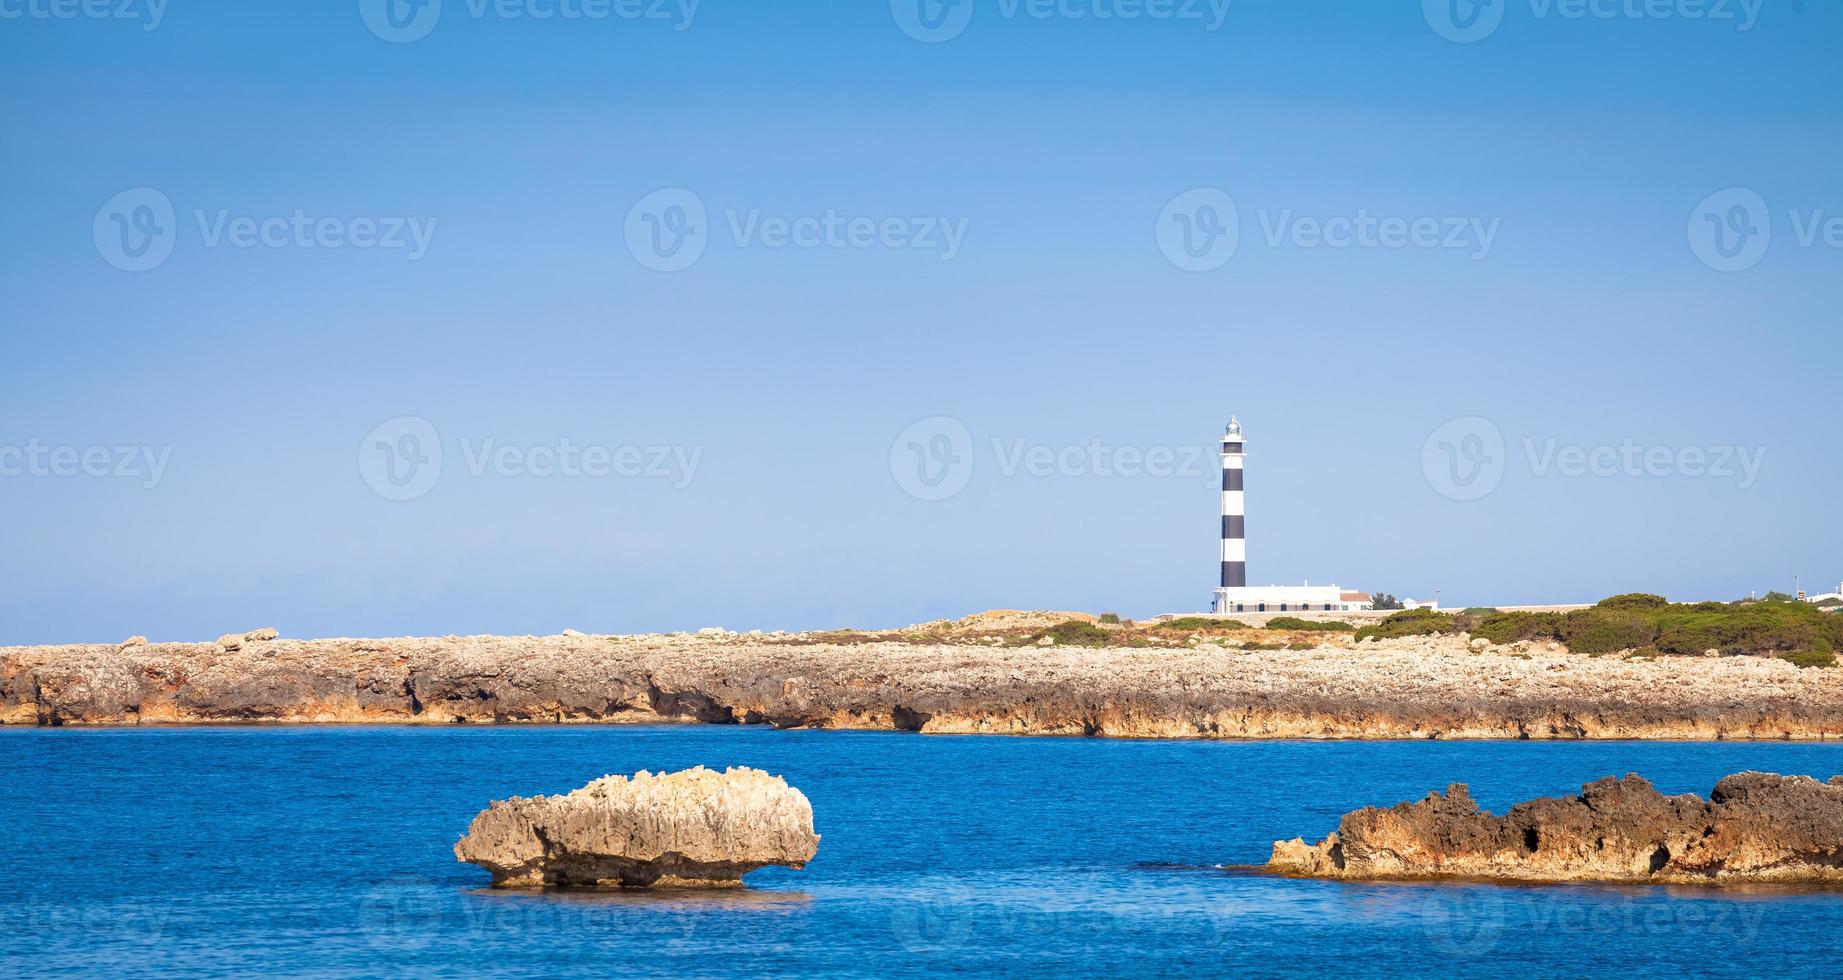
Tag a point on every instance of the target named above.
point(1234, 535)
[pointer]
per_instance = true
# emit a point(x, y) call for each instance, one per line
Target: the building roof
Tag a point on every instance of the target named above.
point(1354, 596)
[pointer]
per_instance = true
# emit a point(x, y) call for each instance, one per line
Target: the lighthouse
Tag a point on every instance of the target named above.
point(1234, 533)
point(1234, 595)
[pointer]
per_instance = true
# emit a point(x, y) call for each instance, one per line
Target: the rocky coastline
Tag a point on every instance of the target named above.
point(1755, 827)
point(972, 677)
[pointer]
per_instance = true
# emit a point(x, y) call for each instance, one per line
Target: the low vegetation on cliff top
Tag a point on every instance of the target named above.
point(1800, 632)
point(1076, 633)
point(1641, 625)
point(1179, 632)
point(1413, 622)
point(1307, 625)
point(1186, 624)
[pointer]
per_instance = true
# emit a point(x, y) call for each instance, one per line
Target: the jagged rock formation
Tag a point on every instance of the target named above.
point(1755, 827)
point(697, 828)
point(958, 683)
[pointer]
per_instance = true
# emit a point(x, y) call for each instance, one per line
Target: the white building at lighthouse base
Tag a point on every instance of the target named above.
point(1289, 598)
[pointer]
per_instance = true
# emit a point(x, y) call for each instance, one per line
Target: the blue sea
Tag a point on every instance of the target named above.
point(326, 852)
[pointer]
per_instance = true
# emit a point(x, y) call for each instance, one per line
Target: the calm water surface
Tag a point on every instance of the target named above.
point(327, 852)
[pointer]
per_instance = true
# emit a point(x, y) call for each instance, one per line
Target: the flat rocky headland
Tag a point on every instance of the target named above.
point(995, 673)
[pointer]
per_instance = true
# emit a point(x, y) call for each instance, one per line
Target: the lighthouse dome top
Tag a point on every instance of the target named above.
point(1234, 428)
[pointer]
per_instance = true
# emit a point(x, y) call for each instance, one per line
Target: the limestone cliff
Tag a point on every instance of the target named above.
point(1206, 687)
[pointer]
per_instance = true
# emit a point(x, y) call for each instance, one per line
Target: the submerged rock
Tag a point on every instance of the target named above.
point(696, 828)
point(1755, 827)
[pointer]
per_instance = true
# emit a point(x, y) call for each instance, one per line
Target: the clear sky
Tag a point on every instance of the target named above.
point(264, 257)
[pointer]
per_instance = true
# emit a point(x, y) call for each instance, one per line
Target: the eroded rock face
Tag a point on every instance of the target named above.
point(1419, 687)
point(1755, 827)
point(696, 828)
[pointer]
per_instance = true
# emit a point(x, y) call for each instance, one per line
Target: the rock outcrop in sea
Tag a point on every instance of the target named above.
point(1754, 827)
point(697, 828)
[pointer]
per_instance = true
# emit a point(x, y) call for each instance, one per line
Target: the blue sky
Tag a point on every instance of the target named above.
point(766, 391)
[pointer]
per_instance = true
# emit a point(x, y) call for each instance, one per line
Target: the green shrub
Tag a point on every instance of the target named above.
point(1513, 626)
point(1199, 623)
point(1075, 633)
point(1634, 600)
point(1480, 612)
point(1295, 623)
point(1641, 621)
point(1110, 619)
point(1828, 603)
point(1410, 622)
point(1604, 630)
point(1811, 658)
point(1754, 628)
